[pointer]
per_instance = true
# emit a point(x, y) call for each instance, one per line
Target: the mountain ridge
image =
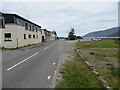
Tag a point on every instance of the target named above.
point(111, 32)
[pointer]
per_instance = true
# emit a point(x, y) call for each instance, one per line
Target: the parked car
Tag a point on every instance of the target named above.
point(96, 39)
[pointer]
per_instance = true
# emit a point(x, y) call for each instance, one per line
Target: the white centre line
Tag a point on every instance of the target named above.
point(46, 48)
point(49, 77)
point(21, 62)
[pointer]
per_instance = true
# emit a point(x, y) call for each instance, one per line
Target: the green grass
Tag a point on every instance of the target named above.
point(105, 61)
point(104, 56)
point(76, 75)
point(113, 70)
point(111, 76)
point(98, 44)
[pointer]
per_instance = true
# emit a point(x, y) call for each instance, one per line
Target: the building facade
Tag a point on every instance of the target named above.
point(48, 35)
point(53, 35)
point(16, 31)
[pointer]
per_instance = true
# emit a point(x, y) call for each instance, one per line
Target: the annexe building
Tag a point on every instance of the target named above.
point(16, 31)
point(48, 35)
point(45, 35)
point(53, 35)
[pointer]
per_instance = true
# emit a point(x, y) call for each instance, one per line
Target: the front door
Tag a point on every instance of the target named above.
point(43, 39)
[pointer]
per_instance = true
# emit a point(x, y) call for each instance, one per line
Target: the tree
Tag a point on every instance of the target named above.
point(71, 35)
point(79, 37)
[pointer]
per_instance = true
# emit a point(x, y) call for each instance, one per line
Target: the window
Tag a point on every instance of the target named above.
point(7, 36)
point(2, 25)
point(29, 35)
point(20, 22)
point(24, 36)
point(33, 36)
point(32, 28)
point(26, 26)
point(36, 29)
point(29, 27)
point(9, 19)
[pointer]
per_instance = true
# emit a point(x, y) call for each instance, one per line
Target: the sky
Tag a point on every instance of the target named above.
point(84, 17)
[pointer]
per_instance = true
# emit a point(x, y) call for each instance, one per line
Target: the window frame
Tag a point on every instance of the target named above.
point(36, 29)
point(33, 36)
point(29, 36)
point(25, 36)
point(29, 27)
point(32, 28)
point(7, 38)
point(2, 24)
point(26, 26)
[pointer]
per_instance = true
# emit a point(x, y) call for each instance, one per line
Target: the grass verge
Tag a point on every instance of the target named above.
point(104, 56)
point(75, 74)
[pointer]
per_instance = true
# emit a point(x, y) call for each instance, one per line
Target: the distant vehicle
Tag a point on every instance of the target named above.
point(96, 39)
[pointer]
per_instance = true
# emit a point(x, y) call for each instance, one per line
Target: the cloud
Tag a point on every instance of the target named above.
point(83, 16)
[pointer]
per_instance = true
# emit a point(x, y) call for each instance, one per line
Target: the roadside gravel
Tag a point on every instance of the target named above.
point(66, 53)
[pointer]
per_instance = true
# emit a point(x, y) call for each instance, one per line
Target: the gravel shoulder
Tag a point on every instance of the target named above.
point(66, 53)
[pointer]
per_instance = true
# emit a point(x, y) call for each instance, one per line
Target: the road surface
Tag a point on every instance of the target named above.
point(31, 67)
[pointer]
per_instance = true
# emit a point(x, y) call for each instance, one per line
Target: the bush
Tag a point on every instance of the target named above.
point(92, 52)
point(72, 38)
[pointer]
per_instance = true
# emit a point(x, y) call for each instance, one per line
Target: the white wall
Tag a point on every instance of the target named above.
point(17, 33)
point(22, 42)
point(11, 28)
point(43, 34)
point(53, 36)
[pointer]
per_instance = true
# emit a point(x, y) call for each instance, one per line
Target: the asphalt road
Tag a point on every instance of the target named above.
point(30, 67)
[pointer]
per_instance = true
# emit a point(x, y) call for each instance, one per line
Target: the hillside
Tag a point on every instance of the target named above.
point(112, 32)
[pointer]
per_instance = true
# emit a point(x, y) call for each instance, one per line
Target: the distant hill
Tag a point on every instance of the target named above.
point(112, 32)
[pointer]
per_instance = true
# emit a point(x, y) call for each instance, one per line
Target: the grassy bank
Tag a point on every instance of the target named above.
point(104, 56)
point(98, 44)
point(75, 74)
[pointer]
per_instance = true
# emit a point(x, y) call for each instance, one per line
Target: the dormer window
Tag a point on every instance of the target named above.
point(26, 26)
point(36, 29)
point(32, 28)
point(29, 27)
point(2, 25)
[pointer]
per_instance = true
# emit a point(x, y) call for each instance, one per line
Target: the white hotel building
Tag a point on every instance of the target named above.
point(16, 31)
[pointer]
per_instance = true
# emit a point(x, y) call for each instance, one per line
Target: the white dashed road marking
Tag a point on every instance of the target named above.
point(46, 48)
point(49, 77)
point(21, 62)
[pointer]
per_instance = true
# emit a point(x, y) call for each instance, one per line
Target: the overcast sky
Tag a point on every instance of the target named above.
point(84, 17)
